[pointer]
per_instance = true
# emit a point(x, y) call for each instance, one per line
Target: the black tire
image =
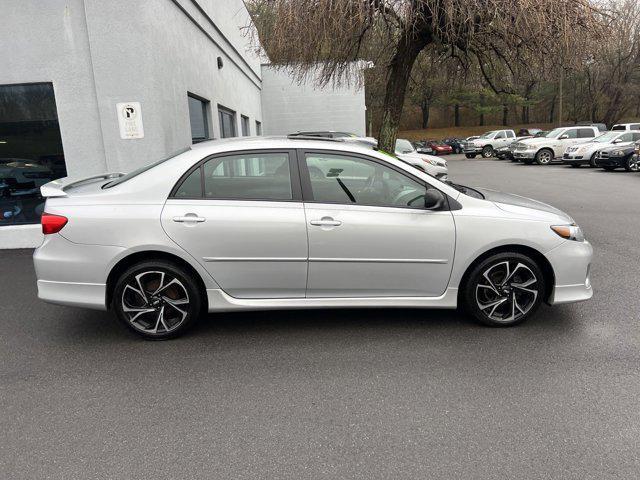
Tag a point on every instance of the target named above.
point(632, 164)
point(156, 323)
point(487, 151)
point(544, 156)
point(470, 155)
point(480, 296)
point(592, 161)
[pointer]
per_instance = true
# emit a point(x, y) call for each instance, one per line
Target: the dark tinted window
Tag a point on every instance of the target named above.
point(248, 177)
point(31, 151)
point(350, 180)
point(618, 127)
point(245, 125)
point(586, 133)
point(227, 122)
point(191, 187)
point(198, 119)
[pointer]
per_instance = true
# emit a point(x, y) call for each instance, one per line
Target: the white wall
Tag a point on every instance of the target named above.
point(289, 107)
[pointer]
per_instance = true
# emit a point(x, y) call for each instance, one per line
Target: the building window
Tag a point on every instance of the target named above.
point(227, 122)
point(244, 121)
point(198, 118)
point(31, 151)
point(258, 128)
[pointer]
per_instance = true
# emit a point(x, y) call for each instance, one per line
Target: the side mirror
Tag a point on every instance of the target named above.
point(433, 199)
point(563, 137)
point(617, 140)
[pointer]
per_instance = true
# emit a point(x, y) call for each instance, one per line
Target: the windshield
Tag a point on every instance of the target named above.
point(606, 137)
point(403, 146)
point(556, 132)
point(487, 135)
point(140, 170)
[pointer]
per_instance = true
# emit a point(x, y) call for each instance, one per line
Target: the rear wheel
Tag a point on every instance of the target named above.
point(487, 152)
point(504, 290)
point(544, 157)
point(470, 155)
point(157, 299)
point(632, 164)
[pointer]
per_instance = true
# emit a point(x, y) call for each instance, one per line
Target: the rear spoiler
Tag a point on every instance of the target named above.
point(57, 187)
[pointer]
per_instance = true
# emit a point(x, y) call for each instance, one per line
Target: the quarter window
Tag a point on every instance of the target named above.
point(227, 122)
point(343, 179)
point(191, 187)
point(263, 176)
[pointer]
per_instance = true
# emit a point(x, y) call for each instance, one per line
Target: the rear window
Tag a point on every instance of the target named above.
point(618, 127)
point(140, 170)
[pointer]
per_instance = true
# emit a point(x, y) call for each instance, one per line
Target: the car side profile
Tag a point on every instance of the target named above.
point(488, 143)
point(280, 223)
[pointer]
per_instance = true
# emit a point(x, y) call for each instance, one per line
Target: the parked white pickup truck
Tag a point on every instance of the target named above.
point(544, 150)
point(487, 143)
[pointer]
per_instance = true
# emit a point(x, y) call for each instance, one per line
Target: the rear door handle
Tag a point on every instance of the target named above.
point(326, 222)
point(188, 218)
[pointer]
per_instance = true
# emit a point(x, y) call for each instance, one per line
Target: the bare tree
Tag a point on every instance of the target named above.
point(329, 34)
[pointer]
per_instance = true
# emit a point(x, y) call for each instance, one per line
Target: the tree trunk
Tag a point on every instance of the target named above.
point(413, 40)
point(456, 114)
point(552, 110)
point(425, 106)
point(523, 116)
point(482, 119)
point(505, 115)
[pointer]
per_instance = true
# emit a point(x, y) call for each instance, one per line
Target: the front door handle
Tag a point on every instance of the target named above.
point(326, 222)
point(188, 218)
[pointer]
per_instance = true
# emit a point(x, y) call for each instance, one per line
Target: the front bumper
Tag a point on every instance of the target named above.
point(571, 263)
point(611, 161)
point(524, 154)
point(573, 159)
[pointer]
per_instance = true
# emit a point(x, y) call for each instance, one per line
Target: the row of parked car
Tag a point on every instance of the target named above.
point(574, 145)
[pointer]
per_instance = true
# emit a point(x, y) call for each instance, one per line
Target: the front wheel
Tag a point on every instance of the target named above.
point(487, 152)
point(504, 289)
point(470, 155)
point(544, 157)
point(157, 299)
point(632, 164)
point(592, 161)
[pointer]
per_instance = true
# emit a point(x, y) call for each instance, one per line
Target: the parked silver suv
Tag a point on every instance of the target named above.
point(544, 150)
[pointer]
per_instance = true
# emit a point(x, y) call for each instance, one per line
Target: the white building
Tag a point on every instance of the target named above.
point(88, 86)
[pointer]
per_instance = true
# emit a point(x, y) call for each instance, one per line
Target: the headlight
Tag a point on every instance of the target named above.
point(617, 153)
point(569, 232)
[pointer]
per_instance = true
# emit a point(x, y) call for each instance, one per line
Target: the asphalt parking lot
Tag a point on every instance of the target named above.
point(363, 394)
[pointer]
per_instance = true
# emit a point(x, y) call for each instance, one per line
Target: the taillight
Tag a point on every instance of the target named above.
point(52, 223)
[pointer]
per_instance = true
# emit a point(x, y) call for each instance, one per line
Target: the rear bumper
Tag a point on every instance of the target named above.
point(73, 274)
point(571, 262)
point(86, 295)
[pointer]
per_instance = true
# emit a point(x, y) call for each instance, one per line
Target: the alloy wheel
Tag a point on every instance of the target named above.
point(633, 163)
point(155, 302)
point(544, 157)
point(507, 291)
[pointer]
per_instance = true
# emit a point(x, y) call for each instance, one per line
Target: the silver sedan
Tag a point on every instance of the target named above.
point(275, 223)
